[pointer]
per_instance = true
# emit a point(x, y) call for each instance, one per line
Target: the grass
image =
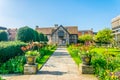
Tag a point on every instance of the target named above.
point(77, 59)
point(102, 50)
point(75, 56)
point(44, 59)
point(1, 78)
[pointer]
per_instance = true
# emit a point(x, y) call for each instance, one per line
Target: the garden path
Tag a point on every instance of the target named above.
point(60, 66)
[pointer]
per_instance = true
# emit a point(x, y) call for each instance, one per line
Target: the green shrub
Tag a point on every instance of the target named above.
point(26, 34)
point(37, 36)
point(43, 51)
point(3, 35)
point(10, 49)
point(85, 38)
point(41, 37)
point(14, 65)
point(106, 62)
point(45, 38)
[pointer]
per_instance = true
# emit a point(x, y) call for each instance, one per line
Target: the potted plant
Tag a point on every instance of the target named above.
point(86, 57)
point(30, 53)
point(86, 54)
point(31, 56)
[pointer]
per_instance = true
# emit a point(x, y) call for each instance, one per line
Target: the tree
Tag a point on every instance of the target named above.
point(3, 35)
point(37, 36)
point(104, 36)
point(41, 37)
point(26, 34)
point(85, 38)
point(45, 38)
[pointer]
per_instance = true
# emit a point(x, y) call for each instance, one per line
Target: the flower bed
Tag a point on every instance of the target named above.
point(16, 64)
point(105, 61)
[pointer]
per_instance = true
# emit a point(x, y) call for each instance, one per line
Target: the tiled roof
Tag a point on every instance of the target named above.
point(45, 30)
point(70, 29)
point(84, 30)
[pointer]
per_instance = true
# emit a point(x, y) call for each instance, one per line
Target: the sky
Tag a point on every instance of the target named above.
point(85, 14)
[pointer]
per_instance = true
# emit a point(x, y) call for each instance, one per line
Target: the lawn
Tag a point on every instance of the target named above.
point(74, 54)
point(44, 59)
point(101, 50)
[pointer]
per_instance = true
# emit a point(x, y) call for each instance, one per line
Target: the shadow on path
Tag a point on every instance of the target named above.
point(51, 73)
point(60, 54)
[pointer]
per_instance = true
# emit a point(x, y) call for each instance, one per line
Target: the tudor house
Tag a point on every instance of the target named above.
point(60, 35)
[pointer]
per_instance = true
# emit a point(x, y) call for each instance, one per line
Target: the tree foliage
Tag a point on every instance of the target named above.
point(85, 38)
point(45, 38)
point(26, 34)
point(3, 35)
point(37, 36)
point(104, 36)
point(41, 37)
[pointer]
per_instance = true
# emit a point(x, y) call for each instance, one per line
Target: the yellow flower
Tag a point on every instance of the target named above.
point(107, 71)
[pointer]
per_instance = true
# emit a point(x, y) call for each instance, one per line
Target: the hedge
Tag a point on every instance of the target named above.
point(10, 49)
point(26, 34)
point(3, 35)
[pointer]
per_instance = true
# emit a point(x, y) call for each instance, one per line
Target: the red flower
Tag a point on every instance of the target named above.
point(23, 48)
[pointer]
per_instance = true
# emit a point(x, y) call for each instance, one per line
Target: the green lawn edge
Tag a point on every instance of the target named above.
point(44, 59)
point(74, 57)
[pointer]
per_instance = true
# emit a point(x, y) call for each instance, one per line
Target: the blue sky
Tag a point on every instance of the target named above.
point(85, 14)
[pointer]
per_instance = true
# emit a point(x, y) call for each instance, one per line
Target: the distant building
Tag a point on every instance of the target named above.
point(116, 28)
point(12, 34)
point(3, 28)
point(60, 35)
point(83, 32)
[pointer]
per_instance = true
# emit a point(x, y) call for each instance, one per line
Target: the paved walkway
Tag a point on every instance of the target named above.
point(60, 66)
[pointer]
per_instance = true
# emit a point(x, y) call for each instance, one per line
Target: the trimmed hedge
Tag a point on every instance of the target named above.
point(26, 34)
point(3, 35)
point(10, 49)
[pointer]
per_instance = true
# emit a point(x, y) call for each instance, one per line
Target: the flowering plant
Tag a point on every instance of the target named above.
point(86, 50)
point(29, 49)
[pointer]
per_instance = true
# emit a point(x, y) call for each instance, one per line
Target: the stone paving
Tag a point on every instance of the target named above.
point(60, 66)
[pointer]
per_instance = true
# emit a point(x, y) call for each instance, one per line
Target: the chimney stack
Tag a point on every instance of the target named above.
point(91, 29)
point(56, 25)
point(37, 26)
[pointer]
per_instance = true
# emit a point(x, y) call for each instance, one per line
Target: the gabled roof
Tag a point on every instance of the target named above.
point(58, 28)
point(84, 30)
point(50, 30)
